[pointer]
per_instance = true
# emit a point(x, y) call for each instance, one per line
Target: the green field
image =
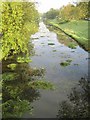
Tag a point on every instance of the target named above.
point(76, 29)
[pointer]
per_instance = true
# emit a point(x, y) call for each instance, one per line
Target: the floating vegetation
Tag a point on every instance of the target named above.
point(66, 63)
point(54, 50)
point(62, 53)
point(42, 43)
point(49, 40)
point(72, 45)
point(76, 64)
point(41, 85)
point(42, 36)
point(72, 51)
point(9, 76)
point(36, 72)
point(51, 44)
point(69, 61)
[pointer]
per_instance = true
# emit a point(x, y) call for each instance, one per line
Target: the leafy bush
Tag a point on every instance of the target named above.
point(19, 21)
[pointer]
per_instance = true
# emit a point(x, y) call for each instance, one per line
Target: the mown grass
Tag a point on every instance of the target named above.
point(76, 29)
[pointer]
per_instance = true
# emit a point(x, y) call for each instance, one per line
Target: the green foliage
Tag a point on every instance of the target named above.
point(52, 14)
point(71, 12)
point(67, 12)
point(82, 9)
point(19, 21)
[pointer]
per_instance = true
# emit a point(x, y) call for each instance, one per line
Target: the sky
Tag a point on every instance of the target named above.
point(45, 5)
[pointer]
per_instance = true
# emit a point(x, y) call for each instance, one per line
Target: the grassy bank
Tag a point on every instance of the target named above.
point(76, 29)
point(63, 38)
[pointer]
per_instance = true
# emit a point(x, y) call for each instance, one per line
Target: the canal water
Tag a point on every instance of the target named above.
point(49, 53)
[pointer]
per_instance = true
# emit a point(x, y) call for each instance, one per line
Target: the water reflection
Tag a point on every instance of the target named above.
point(77, 105)
point(17, 93)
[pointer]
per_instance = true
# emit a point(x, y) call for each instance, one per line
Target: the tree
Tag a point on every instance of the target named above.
point(82, 8)
point(19, 21)
point(68, 12)
point(51, 14)
point(71, 12)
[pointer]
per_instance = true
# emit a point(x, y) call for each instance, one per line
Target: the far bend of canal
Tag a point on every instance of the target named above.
point(64, 78)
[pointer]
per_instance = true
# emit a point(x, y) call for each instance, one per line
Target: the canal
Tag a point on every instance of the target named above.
point(49, 54)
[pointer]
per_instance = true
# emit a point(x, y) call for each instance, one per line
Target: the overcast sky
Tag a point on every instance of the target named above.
point(45, 5)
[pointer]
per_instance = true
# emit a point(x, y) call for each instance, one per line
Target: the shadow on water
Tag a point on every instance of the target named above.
point(77, 105)
point(19, 88)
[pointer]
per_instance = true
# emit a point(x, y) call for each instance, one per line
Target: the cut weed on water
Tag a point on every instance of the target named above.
point(51, 44)
point(66, 63)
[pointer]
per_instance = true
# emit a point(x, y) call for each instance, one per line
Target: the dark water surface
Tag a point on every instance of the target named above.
point(64, 78)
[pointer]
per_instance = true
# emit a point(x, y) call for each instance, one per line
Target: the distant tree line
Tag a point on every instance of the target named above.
point(52, 14)
point(70, 12)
